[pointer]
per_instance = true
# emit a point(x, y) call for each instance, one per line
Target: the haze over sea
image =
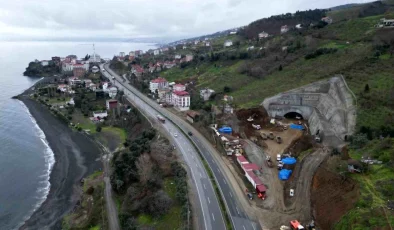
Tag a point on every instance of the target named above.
point(25, 157)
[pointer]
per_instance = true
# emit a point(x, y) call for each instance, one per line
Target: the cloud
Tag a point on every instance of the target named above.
point(138, 18)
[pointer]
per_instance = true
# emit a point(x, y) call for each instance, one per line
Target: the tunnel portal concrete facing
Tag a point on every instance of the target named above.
point(328, 106)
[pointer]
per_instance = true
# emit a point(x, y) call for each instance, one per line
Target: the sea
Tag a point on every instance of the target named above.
point(26, 160)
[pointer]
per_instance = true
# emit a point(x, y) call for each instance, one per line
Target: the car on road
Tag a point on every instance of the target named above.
point(291, 192)
point(190, 133)
point(278, 157)
point(175, 134)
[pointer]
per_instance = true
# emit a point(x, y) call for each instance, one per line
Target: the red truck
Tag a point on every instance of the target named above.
point(160, 118)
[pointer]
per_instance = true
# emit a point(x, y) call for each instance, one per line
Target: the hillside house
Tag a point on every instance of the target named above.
point(386, 22)
point(95, 69)
point(206, 93)
point(121, 54)
point(179, 87)
point(184, 47)
point(112, 91)
point(132, 54)
point(181, 100)
point(284, 29)
point(111, 104)
point(74, 81)
point(233, 32)
point(158, 83)
point(328, 20)
point(298, 26)
point(207, 44)
point(177, 56)
point(189, 57)
point(263, 35)
point(156, 52)
point(138, 53)
point(100, 114)
point(192, 116)
point(228, 43)
point(169, 64)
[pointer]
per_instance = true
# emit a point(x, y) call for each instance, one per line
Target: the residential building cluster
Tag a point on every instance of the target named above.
point(171, 94)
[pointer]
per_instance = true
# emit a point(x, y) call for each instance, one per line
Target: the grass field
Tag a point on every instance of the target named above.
point(376, 187)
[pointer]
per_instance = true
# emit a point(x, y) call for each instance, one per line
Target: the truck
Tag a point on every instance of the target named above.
point(295, 225)
point(161, 118)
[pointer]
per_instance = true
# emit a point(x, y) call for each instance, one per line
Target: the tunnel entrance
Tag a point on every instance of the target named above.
point(294, 115)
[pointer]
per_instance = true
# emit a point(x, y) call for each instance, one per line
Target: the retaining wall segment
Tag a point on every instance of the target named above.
point(328, 106)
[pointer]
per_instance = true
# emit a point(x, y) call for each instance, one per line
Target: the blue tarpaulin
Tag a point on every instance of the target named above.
point(294, 126)
point(226, 130)
point(289, 161)
point(285, 174)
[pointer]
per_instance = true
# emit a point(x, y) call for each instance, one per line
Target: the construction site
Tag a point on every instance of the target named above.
point(278, 155)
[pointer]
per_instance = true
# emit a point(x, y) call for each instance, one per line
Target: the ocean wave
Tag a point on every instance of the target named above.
point(49, 157)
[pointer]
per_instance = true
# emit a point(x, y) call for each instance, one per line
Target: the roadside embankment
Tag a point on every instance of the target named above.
point(76, 156)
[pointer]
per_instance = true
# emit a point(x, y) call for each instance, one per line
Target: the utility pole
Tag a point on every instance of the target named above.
point(94, 50)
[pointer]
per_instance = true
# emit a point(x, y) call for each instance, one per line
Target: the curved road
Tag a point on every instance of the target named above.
point(239, 218)
point(210, 216)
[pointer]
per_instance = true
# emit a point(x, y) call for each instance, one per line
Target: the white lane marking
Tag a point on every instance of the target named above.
point(213, 217)
point(231, 194)
point(253, 227)
point(218, 170)
point(237, 209)
point(244, 227)
point(200, 175)
point(209, 201)
point(205, 187)
point(196, 165)
point(224, 181)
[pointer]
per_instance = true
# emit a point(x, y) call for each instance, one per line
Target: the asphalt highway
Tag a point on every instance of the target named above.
point(209, 205)
point(210, 216)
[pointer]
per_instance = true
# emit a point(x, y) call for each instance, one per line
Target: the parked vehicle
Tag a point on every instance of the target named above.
point(278, 157)
point(280, 165)
point(263, 136)
point(175, 134)
point(250, 196)
point(268, 161)
point(295, 225)
point(190, 133)
point(278, 140)
point(291, 192)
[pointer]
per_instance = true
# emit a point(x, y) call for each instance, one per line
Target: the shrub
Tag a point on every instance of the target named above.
point(319, 52)
point(359, 140)
point(79, 129)
point(98, 128)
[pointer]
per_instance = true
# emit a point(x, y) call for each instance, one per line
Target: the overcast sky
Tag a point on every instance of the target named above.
point(54, 19)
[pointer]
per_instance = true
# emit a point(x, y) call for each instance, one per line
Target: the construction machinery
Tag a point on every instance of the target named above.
point(271, 136)
point(295, 225)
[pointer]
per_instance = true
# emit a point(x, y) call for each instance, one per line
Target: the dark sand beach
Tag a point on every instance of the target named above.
point(76, 157)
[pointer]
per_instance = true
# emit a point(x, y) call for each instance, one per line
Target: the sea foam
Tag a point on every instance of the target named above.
point(49, 157)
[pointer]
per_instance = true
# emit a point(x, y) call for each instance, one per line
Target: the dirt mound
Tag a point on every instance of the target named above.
point(299, 145)
point(332, 196)
point(259, 115)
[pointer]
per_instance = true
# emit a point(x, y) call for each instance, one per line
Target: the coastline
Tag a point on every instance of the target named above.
point(76, 156)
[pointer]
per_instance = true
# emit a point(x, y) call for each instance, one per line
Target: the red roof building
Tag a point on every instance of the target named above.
point(249, 167)
point(242, 160)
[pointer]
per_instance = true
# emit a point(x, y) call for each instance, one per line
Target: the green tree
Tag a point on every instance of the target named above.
point(366, 88)
point(280, 68)
point(226, 89)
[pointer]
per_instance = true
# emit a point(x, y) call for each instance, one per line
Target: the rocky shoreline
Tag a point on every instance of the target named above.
point(76, 156)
